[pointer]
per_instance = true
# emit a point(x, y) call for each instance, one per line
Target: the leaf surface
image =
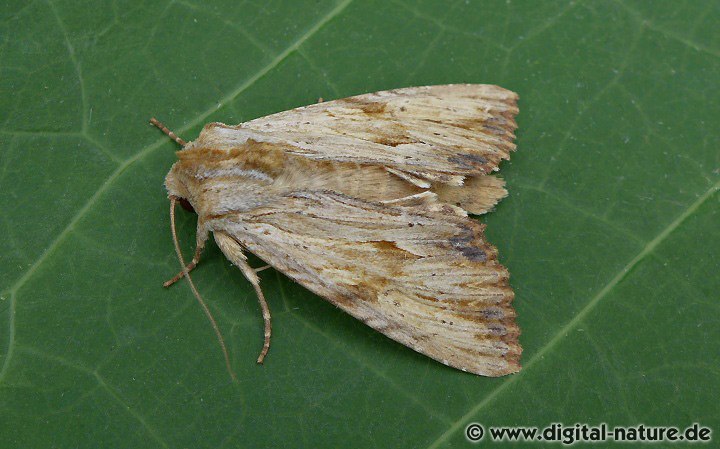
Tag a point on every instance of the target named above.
point(610, 231)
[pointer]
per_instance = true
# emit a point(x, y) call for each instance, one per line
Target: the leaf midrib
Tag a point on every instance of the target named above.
point(570, 325)
point(648, 249)
point(12, 291)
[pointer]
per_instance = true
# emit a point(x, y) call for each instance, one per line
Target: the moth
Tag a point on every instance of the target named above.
point(364, 201)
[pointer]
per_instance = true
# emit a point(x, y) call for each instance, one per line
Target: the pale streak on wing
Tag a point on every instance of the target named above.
point(418, 271)
point(477, 195)
point(438, 133)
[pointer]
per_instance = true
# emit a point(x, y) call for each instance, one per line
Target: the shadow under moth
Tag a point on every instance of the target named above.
point(364, 201)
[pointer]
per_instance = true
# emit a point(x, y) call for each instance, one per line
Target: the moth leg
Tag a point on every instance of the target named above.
point(234, 252)
point(189, 267)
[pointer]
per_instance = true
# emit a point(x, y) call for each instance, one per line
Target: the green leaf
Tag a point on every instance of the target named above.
point(610, 230)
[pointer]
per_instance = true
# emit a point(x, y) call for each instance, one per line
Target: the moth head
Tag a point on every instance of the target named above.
point(179, 186)
point(173, 181)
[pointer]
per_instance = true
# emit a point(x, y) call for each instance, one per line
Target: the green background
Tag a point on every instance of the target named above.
point(610, 230)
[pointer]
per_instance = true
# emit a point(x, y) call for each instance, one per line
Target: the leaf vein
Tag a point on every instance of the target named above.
point(587, 106)
point(585, 311)
point(76, 65)
point(339, 8)
point(645, 23)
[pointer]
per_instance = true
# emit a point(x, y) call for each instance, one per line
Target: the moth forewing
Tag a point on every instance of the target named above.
point(364, 201)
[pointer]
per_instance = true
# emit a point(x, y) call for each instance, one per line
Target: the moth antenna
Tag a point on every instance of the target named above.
point(204, 306)
point(167, 131)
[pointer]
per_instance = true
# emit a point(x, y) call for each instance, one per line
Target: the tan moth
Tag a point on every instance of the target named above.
point(364, 201)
